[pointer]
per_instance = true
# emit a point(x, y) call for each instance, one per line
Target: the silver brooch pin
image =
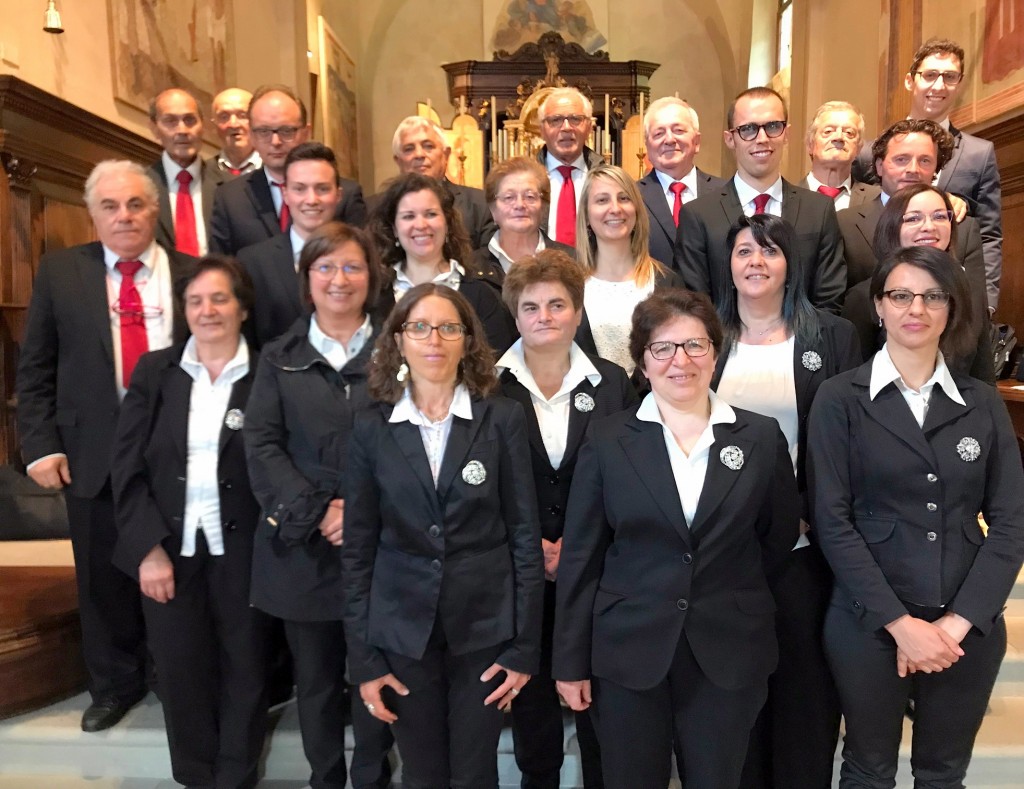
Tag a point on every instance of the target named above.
point(968, 449)
point(583, 402)
point(732, 457)
point(474, 473)
point(811, 360)
point(234, 419)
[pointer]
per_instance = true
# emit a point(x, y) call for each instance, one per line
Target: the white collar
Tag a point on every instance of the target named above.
point(813, 183)
point(172, 168)
point(455, 272)
point(406, 411)
point(297, 242)
point(747, 193)
point(884, 372)
point(580, 367)
point(721, 411)
point(666, 180)
point(322, 342)
point(494, 246)
point(253, 159)
point(553, 164)
point(233, 370)
point(111, 258)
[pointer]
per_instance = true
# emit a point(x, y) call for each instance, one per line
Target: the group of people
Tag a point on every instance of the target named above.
point(570, 440)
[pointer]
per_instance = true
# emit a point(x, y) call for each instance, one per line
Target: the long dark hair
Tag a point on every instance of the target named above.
point(798, 314)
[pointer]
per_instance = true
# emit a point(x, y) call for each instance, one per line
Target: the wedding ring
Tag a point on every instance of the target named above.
point(515, 691)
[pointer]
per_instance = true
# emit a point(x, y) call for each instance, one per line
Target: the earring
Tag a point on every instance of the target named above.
point(880, 325)
point(403, 372)
point(396, 243)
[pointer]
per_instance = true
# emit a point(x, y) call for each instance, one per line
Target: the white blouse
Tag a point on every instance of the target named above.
point(610, 308)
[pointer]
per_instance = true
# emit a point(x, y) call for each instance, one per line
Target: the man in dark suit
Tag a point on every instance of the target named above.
point(672, 137)
point(758, 131)
point(95, 308)
point(312, 193)
point(419, 147)
point(251, 208)
point(230, 116)
point(971, 172)
point(565, 120)
point(834, 139)
point(185, 181)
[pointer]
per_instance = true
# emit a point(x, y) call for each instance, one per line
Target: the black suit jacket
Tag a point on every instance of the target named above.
point(634, 577)
point(271, 264)
point(66, 383)
point(211, 177)
point(860, 192)
point(874, 475)
point(243, 212)
point(488, 264)
point(663, 228)
point(476, 214)
point(703, 260)
point(466, 556)
point(151, 462)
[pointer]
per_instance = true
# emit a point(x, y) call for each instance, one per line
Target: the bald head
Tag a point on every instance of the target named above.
point(230, 115)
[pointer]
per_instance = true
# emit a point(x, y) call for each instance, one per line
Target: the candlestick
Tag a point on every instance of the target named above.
point(494, 129)
point(607, 111)
point(641, 105)
point(462, 105)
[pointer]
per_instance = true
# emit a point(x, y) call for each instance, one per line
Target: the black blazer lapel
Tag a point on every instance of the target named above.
point(258, 190)
point(954, 160)
point(239, 397)
point(646, 451)
point(514, 390)
point(731, 203)
point(942, 409)
point(180, 265)
point(719, 479)
point(407, 436)
point(578, 420)
point(891, 411)
point(283, 264)
point(166, 218)
point(790, 202)
point(803, 376)
point(585, 335)
point(654, 199)
point(176, 394)
point(459, 441)
point(211, 179)
point(94, 292)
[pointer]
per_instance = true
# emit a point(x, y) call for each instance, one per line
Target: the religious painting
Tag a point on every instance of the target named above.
point(508, 24)
point(338, 101)
point(160, 44)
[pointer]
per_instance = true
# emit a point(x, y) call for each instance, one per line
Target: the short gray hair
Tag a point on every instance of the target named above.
point(567, 93)
point(415, 123)
point(669, 101)
point(111, 167)
point(833, 106)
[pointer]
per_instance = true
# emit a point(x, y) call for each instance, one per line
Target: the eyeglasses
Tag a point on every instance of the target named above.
point(420, 330)
point(329, 270)
point(695, 347)
point(284, 133)
point(134, 317)
point(556, 121)
point(948, 77)
point(749, 131)
point(915, 218)
point(510, 198)
point(903, 298)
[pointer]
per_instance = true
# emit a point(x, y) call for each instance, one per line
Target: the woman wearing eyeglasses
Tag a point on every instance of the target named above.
point(679, 509)
point(777, 351)
point(422, 239)
point(442, 564)
point(921, 215)
point(903, 456)
point(311, 382)
point(517, 190)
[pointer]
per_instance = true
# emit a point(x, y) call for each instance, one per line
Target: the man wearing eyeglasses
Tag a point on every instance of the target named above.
point(186, 183)
point(230, 117)
point(672, 137)
point(933, 81)
point(95, 309)
point(834, 139)
point(251, 208)
point(565, 120)
point(758, 130)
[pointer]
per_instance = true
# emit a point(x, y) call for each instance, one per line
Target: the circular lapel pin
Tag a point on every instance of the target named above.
point(811, 360)
point(732, 457)
point(234, 419)
point(583, 402)
point(968, 449)
point(474, 473)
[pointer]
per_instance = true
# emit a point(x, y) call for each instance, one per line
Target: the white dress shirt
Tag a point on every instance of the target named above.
point(841, 200)
point(298, 243)
point(557, 181)
point(252, 162)
point(207, 407)
point(747, 193)
point(195, 190)
point(336, 353)
point(494, 246)
point(552, 413)
point(452, 278)
point(689, 193)
point(434, 434)
point(884, 372)
point(690, 470)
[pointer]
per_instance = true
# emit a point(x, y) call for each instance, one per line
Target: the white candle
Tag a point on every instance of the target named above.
point(641, 104)
point(494, 127)
point(462, 105)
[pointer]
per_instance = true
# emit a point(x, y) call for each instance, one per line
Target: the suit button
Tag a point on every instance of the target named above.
point(434, 530)
point(181, 479)
point(226, 484)
point(682, 605)
point(229, 525)
point(687, 558)
point(932, 478)
point(857, 605)
point(435, 565)
point(932, 536)
point(932, 506)
point(554, 509)
point(553, 479)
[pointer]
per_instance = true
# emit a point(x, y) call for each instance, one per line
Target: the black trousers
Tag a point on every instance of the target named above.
point(711, 727)
point(793, 742)
point(210, 650)
point(109, 603)
point(948, 706)
point(446, 736)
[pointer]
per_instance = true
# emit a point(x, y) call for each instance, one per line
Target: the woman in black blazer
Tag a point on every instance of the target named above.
point(903, 456)
point(562, 390)
point(679, 511)
point(442, 564)
point(421, 238)
point(185, 516)
point(310, 384)
point(778, 350)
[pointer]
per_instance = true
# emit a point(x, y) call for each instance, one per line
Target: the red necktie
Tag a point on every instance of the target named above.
point(566, 216)
point(677, 189)
point(761, 203)
point(285, 217)
point(235, 170)
point(133, 327)
point(830, 191)
point(185, 238)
